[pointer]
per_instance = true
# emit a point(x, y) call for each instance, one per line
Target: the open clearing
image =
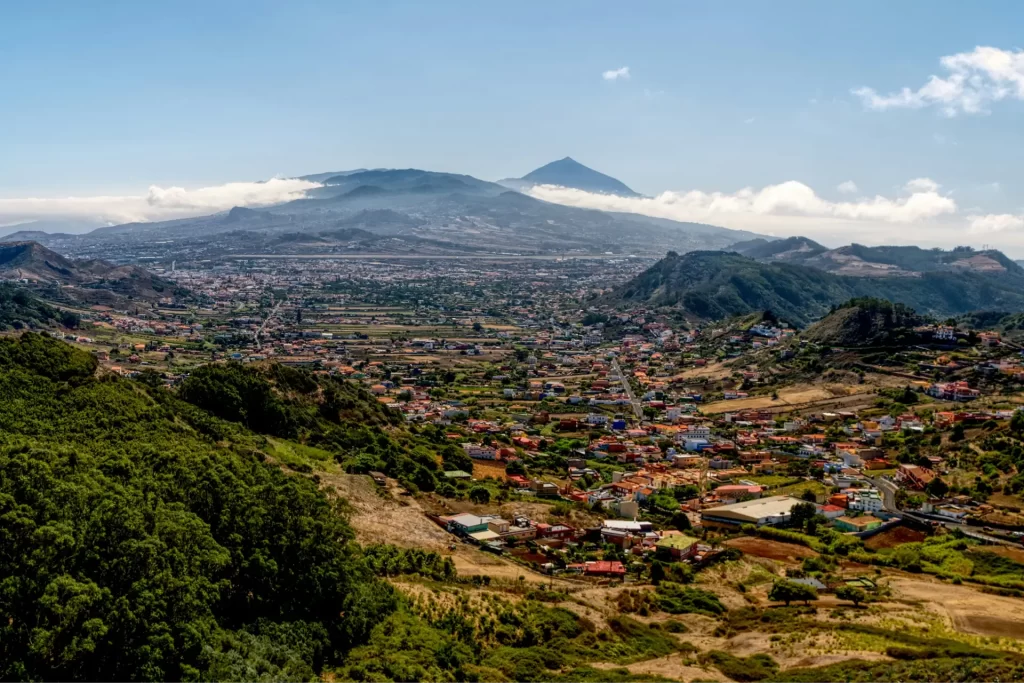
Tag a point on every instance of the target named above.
point(894, 537)
point(400, 520)
point(772, 550)
point(792, 398)
point(969, 610)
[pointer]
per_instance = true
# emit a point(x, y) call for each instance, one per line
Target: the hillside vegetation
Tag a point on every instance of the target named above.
point(866, 322)
point(19, 309)
point(714, 285)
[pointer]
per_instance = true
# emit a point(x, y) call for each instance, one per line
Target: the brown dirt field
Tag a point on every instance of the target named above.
point(797, 398)
point(894, 537)
point(1015, 554)
point(969, 610)
point(773, 550)
point(711, 372)
point(396, 519)
point(488, 468)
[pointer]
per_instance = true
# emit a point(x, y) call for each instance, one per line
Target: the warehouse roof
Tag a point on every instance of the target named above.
point(754, 510)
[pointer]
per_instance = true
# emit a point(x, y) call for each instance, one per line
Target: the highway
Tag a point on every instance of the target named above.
point(638, 409)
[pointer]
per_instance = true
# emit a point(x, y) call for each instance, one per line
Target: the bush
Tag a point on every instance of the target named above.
point(757, 667)
point(676, 599)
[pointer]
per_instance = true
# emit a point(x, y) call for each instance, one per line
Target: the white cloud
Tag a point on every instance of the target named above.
point(158, 203)
point(974, 79)
point(749, 121)
point(615, 74)
point(848, 187)
point(791, 198)
point(995, 222)
point(922, 185)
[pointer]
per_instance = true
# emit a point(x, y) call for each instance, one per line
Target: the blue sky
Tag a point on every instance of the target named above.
point(110, 98)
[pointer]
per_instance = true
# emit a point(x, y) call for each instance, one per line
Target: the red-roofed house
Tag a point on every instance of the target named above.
point(604, 568)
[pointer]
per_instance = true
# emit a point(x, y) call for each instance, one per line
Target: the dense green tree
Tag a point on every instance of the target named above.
point(480, 495)
point(788, 591)
point(852, 594)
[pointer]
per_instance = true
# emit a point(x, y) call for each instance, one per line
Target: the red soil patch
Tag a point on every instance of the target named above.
point(894, 537)
point(773, 550)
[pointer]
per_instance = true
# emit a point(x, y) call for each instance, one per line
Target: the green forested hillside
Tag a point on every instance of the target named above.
point(866, 322)
point(714, 285)
point(141, 538)
point(319, 411)
point(19, 310)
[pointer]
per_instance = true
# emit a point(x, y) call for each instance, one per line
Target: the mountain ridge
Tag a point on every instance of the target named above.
point(881, 261)
point(713, 285)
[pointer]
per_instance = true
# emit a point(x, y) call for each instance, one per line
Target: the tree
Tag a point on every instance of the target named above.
point(936, 488)
point(788, 591)
point(681, 521)
point(480, 495)
point(800, 513)
point(515, 467)
point(657, 572)
point(851, 594)
point(1017, 422)
point(809, 496)
point(454, 458)
point(958, 432)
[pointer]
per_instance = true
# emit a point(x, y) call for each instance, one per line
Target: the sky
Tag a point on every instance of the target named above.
point(875, 122)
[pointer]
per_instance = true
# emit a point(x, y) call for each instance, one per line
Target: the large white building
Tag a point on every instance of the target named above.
point(866, 500)
point(762, 511)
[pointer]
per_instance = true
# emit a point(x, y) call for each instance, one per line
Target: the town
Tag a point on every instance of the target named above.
point(582, 445)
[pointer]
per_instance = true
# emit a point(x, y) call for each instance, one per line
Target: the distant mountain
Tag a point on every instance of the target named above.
point(568, 172)
point(86, 280)
point(715, 285)
point(866, 322)
point(71, 226)
point(321, 177)
point(433, 212)
point(860, 261)
point(35, 236)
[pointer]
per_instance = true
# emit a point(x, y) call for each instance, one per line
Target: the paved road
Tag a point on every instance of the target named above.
point(269, 317)
point(968, 530)
point(638, 409)
point(888, 490)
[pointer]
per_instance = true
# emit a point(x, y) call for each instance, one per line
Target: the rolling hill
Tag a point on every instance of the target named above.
point(866, 322)
point(715, 285)
point(88, 280)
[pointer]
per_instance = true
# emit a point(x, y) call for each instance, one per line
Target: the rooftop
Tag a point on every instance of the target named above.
point(772, 506)
point(677, 541)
